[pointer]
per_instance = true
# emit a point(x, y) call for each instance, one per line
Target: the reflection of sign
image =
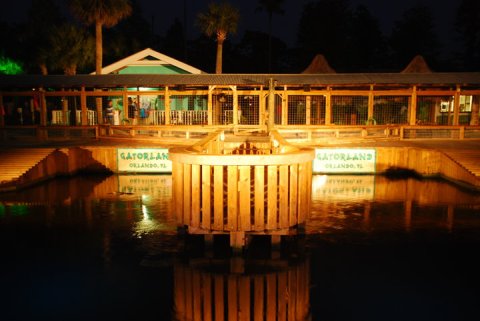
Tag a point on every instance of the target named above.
point(146, 160)
point(343, 187)
point(153, 185)
point(343, 160)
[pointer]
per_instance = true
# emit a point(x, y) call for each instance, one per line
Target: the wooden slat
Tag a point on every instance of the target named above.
point(219, 299)
point(283, 197)
point(259, 217)
point(206, 197)
point(232, 298)
point(232, 191)
point(195, 220)
point(282, 296)
point(293, 194)
point(189, 295)
point(244, 197)
point(197, 296)
point(292, 295)
point(178, 190)
point(259, 292)
point(272, 297)
point(244, 291)
point(218, 198)
point(207, 297)
point(180, 297)
point(272, 197)
point(187, 193)
point(302, 192)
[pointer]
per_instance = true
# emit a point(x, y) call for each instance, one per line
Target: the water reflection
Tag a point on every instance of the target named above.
point(375, 203)
point(107, 248)
point(238, 289)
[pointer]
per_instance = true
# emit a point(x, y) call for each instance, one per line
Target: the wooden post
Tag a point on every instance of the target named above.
point(64, 110)
point(413, 106)
point(98, 104)
point(271, 104)
point(308, 107)
point(236, 120)
point(370, 111)
point(210, 105)
point(456, 106)
point(328, 106)
point(125, 105)
point(83, 106)
point(284, 97)
point(475, 111)
point(167, 106)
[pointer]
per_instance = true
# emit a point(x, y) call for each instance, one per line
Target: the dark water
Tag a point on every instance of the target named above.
point(107, 248)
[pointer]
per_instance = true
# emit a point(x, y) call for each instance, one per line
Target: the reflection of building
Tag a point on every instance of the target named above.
point(209, 290)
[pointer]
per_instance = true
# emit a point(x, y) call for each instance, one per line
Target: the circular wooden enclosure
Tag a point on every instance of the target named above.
point(222, 190)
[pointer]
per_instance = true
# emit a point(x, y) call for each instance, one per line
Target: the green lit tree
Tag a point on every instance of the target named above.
point(101, 13)
point(219, 20)
point(271, 7)
point(9, 66)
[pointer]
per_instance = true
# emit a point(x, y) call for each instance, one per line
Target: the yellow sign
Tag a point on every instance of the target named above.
point(344, 160)
point(143, 160)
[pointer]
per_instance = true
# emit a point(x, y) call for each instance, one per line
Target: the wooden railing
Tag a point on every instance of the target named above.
point(189, 134)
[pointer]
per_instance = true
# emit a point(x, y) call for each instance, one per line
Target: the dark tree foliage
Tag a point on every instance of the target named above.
point(323, 29)
point(252, 53)
point(271, 7)
point(43, 17)
point(130, 35)
point(414, 34)
point(174, 43)
point(368, 50)
point(201, 53)
point(467, 24)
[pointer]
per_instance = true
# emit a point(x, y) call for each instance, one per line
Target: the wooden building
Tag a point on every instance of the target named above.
point(311, 102)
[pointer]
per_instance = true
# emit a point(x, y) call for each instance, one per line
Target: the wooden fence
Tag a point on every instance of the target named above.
point(257, 187)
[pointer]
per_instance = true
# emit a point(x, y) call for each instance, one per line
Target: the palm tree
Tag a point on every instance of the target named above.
point(219, 20)
point(101, 13)
point(71, 48)
point(271, 6)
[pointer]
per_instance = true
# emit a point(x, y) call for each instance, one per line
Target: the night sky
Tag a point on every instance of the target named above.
point(284, 26)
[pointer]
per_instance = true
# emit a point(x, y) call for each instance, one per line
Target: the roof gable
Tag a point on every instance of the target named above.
point(149, 57)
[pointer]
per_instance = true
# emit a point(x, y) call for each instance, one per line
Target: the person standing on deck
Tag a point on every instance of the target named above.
point(109, 113)
point(132, 111)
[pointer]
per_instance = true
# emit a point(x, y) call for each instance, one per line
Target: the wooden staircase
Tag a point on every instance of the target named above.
point(16, 162)
point(468, 159)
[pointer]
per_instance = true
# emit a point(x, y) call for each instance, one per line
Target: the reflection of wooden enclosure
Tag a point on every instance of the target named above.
point(232, 185)
point(269, 295)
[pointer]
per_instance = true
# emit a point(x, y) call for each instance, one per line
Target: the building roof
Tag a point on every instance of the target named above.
point(154, 80)
point(149, 57)
point(319, 65)
point(417, 65)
